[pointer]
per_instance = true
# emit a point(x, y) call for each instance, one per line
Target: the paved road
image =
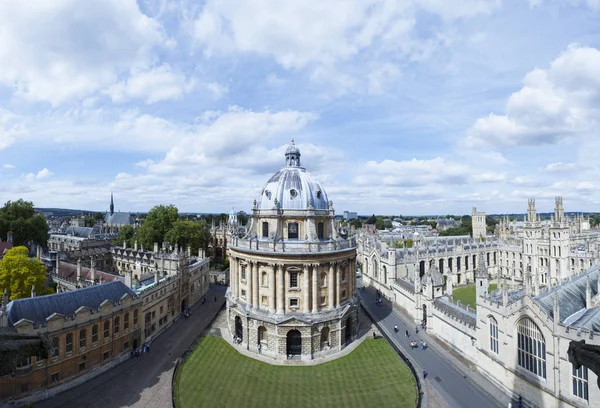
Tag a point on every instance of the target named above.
point(454, 388)
point(144, 381)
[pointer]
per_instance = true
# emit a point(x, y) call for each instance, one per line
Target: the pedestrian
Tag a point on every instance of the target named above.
point(417, 329)
point(215, 299)
point(406, 334)
point(259, 348)
point(424, 374)
point(374, 335)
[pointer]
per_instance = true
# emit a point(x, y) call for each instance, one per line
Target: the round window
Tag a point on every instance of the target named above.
point(293, 193)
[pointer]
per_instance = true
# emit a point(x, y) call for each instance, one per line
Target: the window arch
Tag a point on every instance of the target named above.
point(374, 269)
point(493, 334)
point(531, 347)
point(262, 335)
point(264, 279)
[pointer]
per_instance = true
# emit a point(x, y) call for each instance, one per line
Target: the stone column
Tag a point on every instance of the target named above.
point(315, 288)
point(232, 277)
point(250, 284)
point(256, 285)
point(272, 288)
point(306, 289)
point(330, 287)
point(337, 285)
point(280, 289)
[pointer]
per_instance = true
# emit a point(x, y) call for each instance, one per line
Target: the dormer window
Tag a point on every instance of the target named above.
point(319, 194)
point(293, 193)
point(268, 194)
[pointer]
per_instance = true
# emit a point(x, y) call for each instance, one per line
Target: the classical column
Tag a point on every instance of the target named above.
point(330, 288)
point(306, 289)
point(352, 277)
point(315, 288)
point(256, 285)
point(280, 289)
point(272, 288)
point(238, 268)
point(232, 276)
point(250, 285)
point(337, 285)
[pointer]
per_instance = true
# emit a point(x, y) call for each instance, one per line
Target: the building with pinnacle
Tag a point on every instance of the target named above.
point(293, 280)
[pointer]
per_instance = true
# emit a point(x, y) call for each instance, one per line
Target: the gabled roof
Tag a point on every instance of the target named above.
point(38, 308)
point(118, 218)
point(69, 271)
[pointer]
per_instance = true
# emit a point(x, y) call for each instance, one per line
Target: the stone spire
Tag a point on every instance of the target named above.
point(112, 204)
point(33, 293)
point(481, 268)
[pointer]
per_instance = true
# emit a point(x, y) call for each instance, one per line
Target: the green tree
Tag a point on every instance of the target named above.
point(89, 221)
point(19, 273)
point(371, 220)
point(156, 224)
point(380, 224)
point(26, 226)
point(388, 224)
point(242, 219)
point(356, 223)
point(189, 233)
point(127, 235)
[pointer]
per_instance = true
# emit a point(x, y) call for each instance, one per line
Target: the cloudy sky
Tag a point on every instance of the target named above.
point(398, 106)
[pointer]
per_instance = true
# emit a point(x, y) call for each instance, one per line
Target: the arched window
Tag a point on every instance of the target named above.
point(135, 317)
point(262, 335)
point(117, 325)
point(532, 347)
point(375, 269)
point(95, 334)
point(493, 334)
point(323, 279)
point(126, 321)
point(69, 343)
point(264, 279)
point(580, 382)
point(107, 329)
point(82, 338)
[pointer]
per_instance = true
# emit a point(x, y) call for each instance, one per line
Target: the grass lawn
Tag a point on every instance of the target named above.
point(466, 294)
point(215, 375)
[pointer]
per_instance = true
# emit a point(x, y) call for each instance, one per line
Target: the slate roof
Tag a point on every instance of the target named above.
point(38, 308)
point(456, 312)
point(69, 271)
point(81, 232)
point(571, 296)
point(5, 246)
point(408, 286)
point(118, 218)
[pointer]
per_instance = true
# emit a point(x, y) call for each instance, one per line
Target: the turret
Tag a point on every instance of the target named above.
point(112, 204)
point(481, 276)
point(93, 269)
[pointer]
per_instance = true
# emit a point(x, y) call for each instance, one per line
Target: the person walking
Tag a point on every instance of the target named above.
point(406, 334)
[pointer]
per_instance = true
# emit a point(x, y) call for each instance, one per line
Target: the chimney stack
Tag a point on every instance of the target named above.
point(135, 245)
point(33, 294)
point(156, 247)
point(128, 280)
point(9, 236)
point(93, 269)
point(80, 277)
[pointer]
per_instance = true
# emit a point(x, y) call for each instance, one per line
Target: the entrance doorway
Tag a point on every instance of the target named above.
point(348, 334)
point(294, 343)
point(239, 328)
point(425, 314)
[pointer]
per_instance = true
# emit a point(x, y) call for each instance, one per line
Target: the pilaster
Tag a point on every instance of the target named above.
point(280, 289)
point(330, 287)
point(256, 285)
point(337, 284)
point(315, 287)
point(306, 289)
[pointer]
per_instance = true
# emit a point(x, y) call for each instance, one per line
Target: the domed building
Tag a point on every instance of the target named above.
point(293, 279)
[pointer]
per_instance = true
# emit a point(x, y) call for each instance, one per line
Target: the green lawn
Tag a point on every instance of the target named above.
point(215, 375)
point(466, 294)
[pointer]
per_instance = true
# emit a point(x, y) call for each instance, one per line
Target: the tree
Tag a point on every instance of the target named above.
point(242, 219)
point(157, 223)
point(356, 223)
point(126, 235)
point(379, 224)
point(189, 233)
point(388, 224)
point(371, 220)
point(19, 273)
point(26, 226)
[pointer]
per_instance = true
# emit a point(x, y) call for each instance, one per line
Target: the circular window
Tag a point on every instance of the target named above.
point(293, 193)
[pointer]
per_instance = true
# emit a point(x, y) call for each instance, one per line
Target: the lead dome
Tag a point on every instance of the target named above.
point(293, 187)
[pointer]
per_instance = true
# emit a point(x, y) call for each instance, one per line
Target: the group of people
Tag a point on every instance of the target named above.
point(415, 344)
point(237, 339)
point(378, 299)
point(187, 312)
point(141, 350)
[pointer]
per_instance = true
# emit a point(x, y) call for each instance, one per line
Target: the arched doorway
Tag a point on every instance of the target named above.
point(421, 269)
point(294, 343)
point(348, 334)
point(239, 328)
point(324, 338)
point(184, 304)
point(425, 314)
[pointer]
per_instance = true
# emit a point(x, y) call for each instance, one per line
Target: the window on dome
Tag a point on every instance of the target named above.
point(293, 230)
point(265, 229)
point(293, 193)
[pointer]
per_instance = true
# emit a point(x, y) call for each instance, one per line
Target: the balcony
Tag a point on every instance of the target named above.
point(292, 246)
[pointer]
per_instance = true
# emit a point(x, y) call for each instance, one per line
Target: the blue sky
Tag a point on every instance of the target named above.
point(398, 107)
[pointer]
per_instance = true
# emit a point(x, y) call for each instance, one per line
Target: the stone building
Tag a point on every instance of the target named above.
point(478, 224)
point(114, 221)
point(293, 278)
point(91, 329)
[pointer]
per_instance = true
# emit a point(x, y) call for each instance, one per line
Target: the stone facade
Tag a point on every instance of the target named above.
point(292, 275)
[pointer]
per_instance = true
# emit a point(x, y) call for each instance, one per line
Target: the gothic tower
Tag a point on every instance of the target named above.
point(112, 204)
point(481, 277)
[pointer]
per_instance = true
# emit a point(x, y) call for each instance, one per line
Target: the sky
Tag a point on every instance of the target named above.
point(397, 106)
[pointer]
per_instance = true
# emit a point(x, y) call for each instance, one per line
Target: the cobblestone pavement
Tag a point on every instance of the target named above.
point(144, 381)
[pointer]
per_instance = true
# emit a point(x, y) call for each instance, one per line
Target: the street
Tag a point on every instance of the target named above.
point(454, 388)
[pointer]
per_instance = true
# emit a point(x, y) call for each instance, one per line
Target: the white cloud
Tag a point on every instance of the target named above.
point(66, 49)
point(152, 85)
point(9, 166)
point(559, 167)
point(554, 104)
point(40, 175)
point(412, 173)
point(217, 90)
point(10, 127)
point(489, 177)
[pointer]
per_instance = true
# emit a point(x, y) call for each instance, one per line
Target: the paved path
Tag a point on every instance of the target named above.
point(459, 386)
point(144, 381)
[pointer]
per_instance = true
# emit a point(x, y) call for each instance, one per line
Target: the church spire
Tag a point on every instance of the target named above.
point(112, 204)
